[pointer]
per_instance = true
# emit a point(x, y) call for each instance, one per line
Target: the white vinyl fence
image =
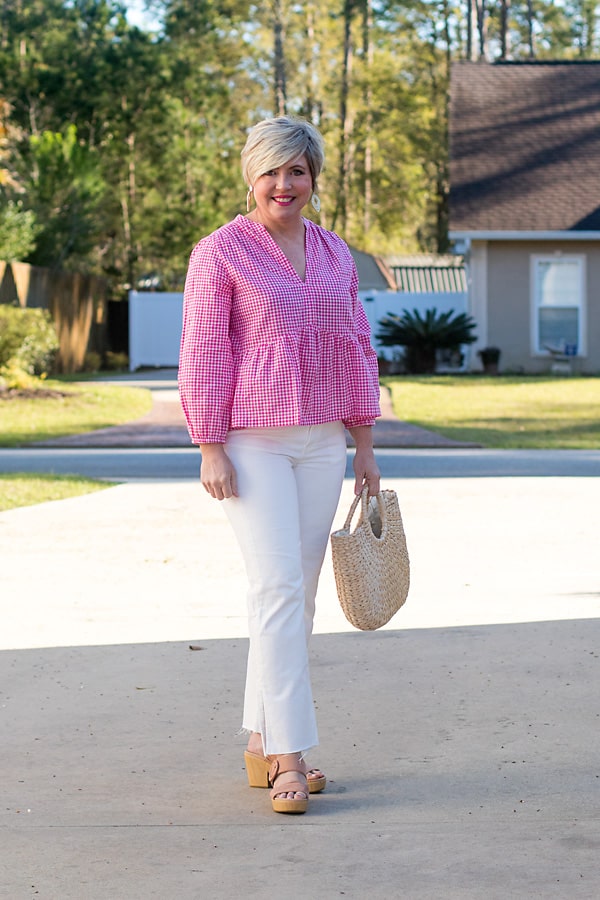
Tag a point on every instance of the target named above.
point(155, 320)
point(154, 329)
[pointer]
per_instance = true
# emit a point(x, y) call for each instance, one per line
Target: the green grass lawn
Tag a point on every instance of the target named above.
point(507, 412)
point(25, 489)
point(84, 407)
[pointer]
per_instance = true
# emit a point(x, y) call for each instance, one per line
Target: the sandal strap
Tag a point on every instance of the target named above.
point(280, 766)
point(289, 762)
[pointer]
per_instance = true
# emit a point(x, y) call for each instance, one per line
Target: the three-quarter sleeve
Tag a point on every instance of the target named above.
point(206, 369)
point(365, 381)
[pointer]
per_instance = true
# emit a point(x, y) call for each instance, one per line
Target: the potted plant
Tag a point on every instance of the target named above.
point(490, 357)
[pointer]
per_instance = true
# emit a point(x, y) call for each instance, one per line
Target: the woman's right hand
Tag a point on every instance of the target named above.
point(217, 473)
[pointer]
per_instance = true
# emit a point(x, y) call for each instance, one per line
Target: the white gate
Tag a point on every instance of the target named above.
point(154, 329)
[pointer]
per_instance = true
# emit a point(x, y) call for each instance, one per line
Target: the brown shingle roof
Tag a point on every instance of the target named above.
point(525, 146)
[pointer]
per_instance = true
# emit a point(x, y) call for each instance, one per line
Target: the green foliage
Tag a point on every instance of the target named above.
point(13, 377)
point(64, 188)
point(28, 340)
point(424, 335)
point(18, 232)
point(125, 144)
point(92, 361)
point(116, 362)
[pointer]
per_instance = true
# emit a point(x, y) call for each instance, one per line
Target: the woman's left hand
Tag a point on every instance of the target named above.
point(366, 471)
point(365, 468)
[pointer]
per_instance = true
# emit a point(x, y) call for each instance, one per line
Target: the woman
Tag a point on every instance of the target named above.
point(275, 361)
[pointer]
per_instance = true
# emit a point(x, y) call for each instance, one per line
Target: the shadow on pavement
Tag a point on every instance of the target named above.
point(462, 763)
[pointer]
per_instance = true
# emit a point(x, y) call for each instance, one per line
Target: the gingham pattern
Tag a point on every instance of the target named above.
point(262, 348)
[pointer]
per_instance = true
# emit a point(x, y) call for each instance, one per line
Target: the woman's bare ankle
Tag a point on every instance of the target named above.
point(255, 744)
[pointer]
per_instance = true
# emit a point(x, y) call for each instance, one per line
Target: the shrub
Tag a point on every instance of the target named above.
point(115, 361)
point(28, 339)
point(18, 232)
point(424, 336)
point(92, 361)
point(14, 378)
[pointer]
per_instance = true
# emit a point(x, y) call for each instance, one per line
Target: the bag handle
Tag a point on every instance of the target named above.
point(363, 499)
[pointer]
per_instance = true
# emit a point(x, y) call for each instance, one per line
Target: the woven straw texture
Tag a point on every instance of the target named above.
point(371, 564)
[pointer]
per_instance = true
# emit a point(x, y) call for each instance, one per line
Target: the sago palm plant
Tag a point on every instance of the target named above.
point(422, 336)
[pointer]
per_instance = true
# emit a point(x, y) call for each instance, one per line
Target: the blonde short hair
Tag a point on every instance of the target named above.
point(274, 142)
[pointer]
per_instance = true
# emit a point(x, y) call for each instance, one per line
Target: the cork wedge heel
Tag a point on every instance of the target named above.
point(264, 772)
point(257, 769)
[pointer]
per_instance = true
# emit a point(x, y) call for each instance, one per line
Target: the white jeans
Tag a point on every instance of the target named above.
point(289, 483)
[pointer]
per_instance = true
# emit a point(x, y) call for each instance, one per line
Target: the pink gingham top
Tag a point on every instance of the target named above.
point(262, 348)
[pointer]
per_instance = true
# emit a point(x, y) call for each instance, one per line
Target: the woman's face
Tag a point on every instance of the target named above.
point(281, 194)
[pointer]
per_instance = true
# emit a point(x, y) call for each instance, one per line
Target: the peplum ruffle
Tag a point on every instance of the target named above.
point(305, 378)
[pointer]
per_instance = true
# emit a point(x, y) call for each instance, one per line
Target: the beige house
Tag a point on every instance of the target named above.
point(525, 209)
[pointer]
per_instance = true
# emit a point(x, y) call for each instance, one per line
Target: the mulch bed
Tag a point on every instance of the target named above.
point(31, 394)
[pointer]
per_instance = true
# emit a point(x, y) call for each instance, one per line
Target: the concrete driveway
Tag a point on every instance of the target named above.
point(461, 741)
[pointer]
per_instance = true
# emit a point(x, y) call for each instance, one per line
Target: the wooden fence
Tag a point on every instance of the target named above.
point(77, 303)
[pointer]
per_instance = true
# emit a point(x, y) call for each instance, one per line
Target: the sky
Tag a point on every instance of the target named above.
point(138, 15)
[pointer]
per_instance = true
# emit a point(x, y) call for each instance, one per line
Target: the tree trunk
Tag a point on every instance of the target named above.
point(128, 196)
point(530, 28)
point(481, 27)
point(341, 209)
point(504, 35)
point(310, 102)
point(590, 23)
point(280, 99)
point(469, 53)
point(368, 101)
point(442, 178)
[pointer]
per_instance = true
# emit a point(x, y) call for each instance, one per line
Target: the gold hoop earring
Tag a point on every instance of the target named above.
point(315, 203)
point(249, 198)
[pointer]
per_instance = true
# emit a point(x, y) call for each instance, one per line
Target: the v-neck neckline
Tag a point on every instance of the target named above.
point(265, 231)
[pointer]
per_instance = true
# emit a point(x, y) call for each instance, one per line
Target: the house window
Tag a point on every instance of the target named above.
point(558, 304)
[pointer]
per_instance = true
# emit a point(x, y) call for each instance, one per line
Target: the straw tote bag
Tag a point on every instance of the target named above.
point(371, 564)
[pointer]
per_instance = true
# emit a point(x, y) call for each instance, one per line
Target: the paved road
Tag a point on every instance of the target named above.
point(124, 464)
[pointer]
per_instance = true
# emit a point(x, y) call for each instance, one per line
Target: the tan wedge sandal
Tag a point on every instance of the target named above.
point(257, 768)
point(281, 766)
point(263, 772)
